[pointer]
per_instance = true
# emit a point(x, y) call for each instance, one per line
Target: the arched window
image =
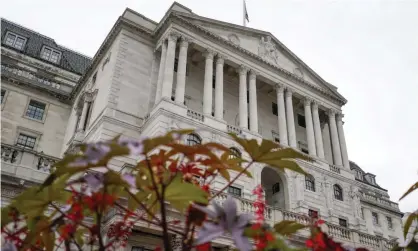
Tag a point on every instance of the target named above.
point(193, 139)
point(310, 183)
point(234, 153)
point(276, 188)
point(338, 192)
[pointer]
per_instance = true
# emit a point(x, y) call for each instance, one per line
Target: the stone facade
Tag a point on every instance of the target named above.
point(188, 71)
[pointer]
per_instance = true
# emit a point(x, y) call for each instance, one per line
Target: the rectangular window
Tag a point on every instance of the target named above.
point(3, 93)
point(14, 40)
point(235, 191)
point(274, 108)
point(301, 121)
point(26, 141)
point(50, 54)
point(35, 110)
point(313, 213)
point(342, 222)
point(375, 218)
point(389, 220)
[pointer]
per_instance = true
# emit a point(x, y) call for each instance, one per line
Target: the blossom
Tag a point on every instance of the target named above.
point(8, 246)
point(130, 179)
point(224, 219)
point(94, 181)
point(93, 154)
point(135, 146)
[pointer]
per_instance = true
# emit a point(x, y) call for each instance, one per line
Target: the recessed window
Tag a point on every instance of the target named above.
point(193, 139)
point(276, 188)
point(338, 192)
point(35, 110)
point(342, 222)
point(3, 93)
point(50, 54)
point(235, 191)
point(310, 183)
point(26, 141)
point(362, 213)
point(234, 153)
point(304, 150)
point(14, 40)
point(313, 213)
point(390, 223)
point(274, 108)
point(375, 218)
point(359, 174)
point(301, 121)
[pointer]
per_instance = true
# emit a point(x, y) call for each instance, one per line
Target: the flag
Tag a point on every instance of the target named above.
point(245, 12)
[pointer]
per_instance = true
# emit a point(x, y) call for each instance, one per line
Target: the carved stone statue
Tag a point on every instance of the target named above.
point(355, 196)
point(267, 50)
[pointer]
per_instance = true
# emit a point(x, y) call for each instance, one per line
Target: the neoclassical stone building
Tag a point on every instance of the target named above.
point(188, 71)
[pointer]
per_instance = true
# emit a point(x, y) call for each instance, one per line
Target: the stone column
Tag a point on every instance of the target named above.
point(207, 89)
point(310, 136)
point(161, 70)
point(243, 106)
point(318, 131)
point(181, 71)
point(83, 117)
point(169, 66)
point(219, 88)
point(281, 115)
point(253, 102)
point(290, 119)
point(336, 152)
point(343, 146)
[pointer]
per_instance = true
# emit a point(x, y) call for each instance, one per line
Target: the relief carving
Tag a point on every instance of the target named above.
point(267, 50)
point(234, 39)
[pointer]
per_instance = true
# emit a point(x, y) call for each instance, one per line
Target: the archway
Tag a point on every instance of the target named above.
point(275, 187)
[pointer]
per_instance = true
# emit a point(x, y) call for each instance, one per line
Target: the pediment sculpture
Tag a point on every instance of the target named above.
point(267, 50)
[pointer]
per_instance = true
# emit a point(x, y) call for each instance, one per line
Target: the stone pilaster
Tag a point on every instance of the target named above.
point(161, 71)
point(343, 145)
point(219, 87)
point(181, 71)
point(169, 66)
point(243, 107)
point(207, 88)
point(318, 133)
point(310, 136)
point(336, 151)
point(281, 115)
point(253, 102)
point(83, 117)
point(290, 119)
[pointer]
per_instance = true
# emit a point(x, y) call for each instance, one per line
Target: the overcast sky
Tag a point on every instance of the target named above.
point(368, 49)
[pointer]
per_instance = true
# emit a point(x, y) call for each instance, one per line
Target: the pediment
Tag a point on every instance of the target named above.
point(265, 45)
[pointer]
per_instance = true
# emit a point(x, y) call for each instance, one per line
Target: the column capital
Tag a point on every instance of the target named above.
point(173, 36)
point(279, 88)
point(253, 74)
point(184, 41)
point(331, 112)
point(339, 116)
point(289, 92)
point(307, 101)
point(242, 70)
point(315, 104)
point(220, 59)
point(209, 54)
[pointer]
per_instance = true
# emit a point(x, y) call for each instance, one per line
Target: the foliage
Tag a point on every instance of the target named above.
point(72, 208)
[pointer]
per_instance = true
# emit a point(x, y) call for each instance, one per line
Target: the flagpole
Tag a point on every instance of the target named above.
point(243, 13)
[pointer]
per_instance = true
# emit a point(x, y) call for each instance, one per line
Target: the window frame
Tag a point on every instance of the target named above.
point(45, 112)
point(389, 222)
point(310, 183)
point(28, 132)
point(343, 220)
point(49, 58)
point(375, 222)
point(231, 190)
point(311, 213)
point(358, 174)
point(26, 145)
point(338, 188)
point(17, 36)
point(301, 119)
point(274, 109)
point(196, 136)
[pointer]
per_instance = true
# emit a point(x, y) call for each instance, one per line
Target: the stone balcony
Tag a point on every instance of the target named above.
point(25, 164)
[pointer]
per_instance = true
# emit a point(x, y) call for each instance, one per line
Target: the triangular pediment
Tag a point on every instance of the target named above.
point(265, 45)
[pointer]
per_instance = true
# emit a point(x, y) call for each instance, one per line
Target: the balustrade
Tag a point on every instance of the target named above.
point(195, 115)
point(339, 232)
point(234, 129)
point(334, 168)
point(369, 240)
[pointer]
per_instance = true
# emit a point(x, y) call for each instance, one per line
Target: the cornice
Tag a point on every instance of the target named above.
point(283, 72)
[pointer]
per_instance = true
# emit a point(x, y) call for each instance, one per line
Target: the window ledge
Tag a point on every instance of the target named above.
point(36, 120)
